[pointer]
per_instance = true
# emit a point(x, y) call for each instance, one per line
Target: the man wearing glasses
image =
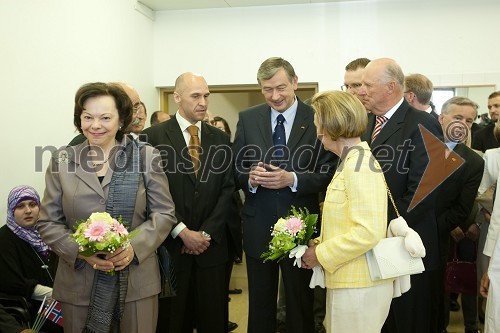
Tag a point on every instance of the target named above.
point(352, 76)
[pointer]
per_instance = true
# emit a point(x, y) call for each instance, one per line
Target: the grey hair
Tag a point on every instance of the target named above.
point(270, 66)
point(458, 100)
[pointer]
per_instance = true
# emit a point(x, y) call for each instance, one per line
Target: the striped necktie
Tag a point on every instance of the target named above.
point(379, 122)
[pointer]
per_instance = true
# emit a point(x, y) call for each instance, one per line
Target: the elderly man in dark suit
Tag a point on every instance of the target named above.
point(396, 141)
point(197, 161)
point(456, 201)
point(279, 163)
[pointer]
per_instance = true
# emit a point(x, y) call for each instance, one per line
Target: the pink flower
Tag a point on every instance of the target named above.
point(96, 231)
point(294, 225)
point(119, 228)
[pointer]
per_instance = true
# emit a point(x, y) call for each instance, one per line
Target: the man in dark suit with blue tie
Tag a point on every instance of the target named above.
point(279, 163)
point(399, 147)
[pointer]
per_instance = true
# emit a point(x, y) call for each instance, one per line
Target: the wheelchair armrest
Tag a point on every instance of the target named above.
point(17, 306)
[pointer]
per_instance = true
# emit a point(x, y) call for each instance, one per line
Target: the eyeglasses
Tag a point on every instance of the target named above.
point(137, 107)
point(346, 87)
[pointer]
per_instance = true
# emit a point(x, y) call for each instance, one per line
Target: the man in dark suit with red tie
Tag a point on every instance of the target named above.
point(401, 152)
point(197, 160)
point(279, 164)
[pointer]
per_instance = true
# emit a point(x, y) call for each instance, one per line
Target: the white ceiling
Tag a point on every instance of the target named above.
point(157, 5)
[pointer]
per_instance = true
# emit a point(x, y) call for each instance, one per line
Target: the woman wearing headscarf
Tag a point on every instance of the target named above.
point(108, 172)
point(27, 264)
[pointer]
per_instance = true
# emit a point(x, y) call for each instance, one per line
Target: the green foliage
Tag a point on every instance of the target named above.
point(295, 229)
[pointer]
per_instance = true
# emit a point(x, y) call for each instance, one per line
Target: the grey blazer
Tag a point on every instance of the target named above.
point(73, 192)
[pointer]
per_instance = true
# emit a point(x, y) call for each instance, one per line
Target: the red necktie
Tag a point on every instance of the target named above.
point(379, 122)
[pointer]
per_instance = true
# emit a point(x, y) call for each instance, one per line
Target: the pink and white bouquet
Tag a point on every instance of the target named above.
point(290, 232)
point(101, 233)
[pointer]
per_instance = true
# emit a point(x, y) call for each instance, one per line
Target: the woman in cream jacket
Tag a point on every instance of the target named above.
point(354, 219)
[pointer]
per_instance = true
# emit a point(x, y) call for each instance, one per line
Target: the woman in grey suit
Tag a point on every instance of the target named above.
point(113, 173)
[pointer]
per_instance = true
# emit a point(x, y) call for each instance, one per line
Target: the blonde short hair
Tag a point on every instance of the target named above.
point(339, 114)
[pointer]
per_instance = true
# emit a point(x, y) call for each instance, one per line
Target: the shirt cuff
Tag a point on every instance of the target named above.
point(252, 189)
point(295, 183)
point(177, 230)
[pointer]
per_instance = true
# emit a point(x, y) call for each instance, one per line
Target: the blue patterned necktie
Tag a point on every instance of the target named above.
point(279, 137)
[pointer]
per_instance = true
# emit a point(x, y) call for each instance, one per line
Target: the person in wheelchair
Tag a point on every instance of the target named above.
point(28, 264)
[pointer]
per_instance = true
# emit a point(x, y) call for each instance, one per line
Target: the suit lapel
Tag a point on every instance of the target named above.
point(84, 171)
point(299, 127)
point(369, 129)
point(174, 133)
point(264, 125)
point(206, 140)
point(392, 126)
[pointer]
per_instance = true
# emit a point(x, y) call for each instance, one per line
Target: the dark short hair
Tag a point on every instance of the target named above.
point(494, 94)
point(223, 121)
point(270, 66)
point(357, 63)
point(96, 89)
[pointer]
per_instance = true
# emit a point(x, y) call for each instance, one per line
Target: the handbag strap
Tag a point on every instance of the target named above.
point(390, 195)
point(455, 257)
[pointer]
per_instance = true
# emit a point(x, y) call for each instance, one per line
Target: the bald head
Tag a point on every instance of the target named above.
point(191, 96)
point(131, 92)
point(388, 70)
point(383, 84)
point(186, 79)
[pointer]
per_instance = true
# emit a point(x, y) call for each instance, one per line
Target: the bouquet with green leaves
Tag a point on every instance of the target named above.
point(290, 232)
point(101, 233)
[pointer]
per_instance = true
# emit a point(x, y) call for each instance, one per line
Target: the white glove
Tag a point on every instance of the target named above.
point(40, 292)
point(318, 277)
point(297, 253)
point(398, 227)
point(414, 244)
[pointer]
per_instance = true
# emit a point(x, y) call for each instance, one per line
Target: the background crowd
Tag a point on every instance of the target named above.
point(177, 185)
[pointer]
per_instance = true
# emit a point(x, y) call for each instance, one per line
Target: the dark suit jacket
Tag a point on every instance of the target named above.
point(203, 202)
point(401, 152)
point(484, 139)
point(304, 155)
point(457, 195)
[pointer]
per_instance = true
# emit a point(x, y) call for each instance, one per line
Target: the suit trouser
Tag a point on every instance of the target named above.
point(200, 302)
point(138, 316)
point(412, 312)
point(263, 292)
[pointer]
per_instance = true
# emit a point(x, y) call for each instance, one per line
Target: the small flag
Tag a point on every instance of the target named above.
point(56, 314)
point(50, 310)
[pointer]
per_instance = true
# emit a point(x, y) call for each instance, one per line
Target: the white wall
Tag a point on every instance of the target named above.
point(48, 49)
point(452, 42)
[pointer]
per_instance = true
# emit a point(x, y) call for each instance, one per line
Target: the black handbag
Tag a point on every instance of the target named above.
point(167, 273)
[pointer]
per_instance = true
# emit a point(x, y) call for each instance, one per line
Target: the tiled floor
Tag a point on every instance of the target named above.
point(238, 307)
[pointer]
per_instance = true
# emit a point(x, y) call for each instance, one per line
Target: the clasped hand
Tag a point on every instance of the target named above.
point(106, 262)
point(270, 176)
point(194, 242)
